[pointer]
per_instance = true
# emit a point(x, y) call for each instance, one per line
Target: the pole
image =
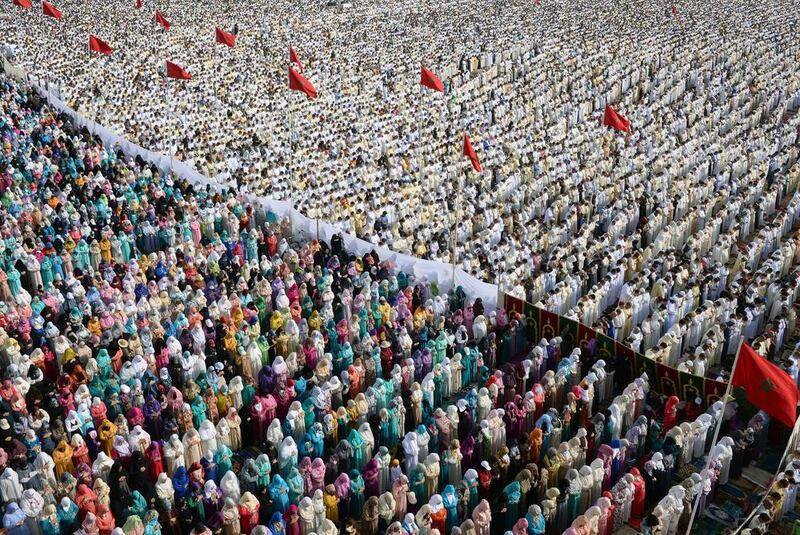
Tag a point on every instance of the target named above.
point(169, 112)
point(696, 500)
point(459, 186)
point(455, 225)
point(419, 138)
point(94, 109)
point(90, 111)
point(216, 86)
point(291, 152)
point(218, 105)
point(289, 163)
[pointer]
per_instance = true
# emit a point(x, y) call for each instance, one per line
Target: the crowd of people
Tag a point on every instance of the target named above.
point(174, 364)
point(174, 359)
point(380, 157)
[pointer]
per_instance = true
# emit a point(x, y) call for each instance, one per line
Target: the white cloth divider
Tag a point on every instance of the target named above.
point(476, 287)
point(303, 227)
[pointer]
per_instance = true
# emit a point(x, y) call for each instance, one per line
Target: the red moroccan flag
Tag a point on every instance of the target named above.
point(615, 120)
point(295, 59)
point(430, 80)
point(469, 152)
point(177, 72)
point(298, 82)
point(24, 4)
point(138, 4)
point(98, 45)
point(51, 11)
point(674, 10)
point(225, 38)
point(161, 20)
point(767, 386)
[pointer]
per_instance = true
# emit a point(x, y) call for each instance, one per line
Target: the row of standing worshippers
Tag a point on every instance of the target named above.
point(660, 280)
point(714, 240)
point(654, 292)
point(702, 337)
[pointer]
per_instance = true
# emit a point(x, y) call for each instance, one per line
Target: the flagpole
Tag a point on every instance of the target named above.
point(728, 389)
point(91, 95)
point(291, 149)
point(93, 111)
point(216, 86)
point(454, 237)
point(419, 137)
point(169, 108)
point(455, 224)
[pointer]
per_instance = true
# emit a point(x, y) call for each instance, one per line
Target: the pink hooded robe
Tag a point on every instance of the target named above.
point(482, 516)
point(520, 528)
point(399, 490)
point(317, 473)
